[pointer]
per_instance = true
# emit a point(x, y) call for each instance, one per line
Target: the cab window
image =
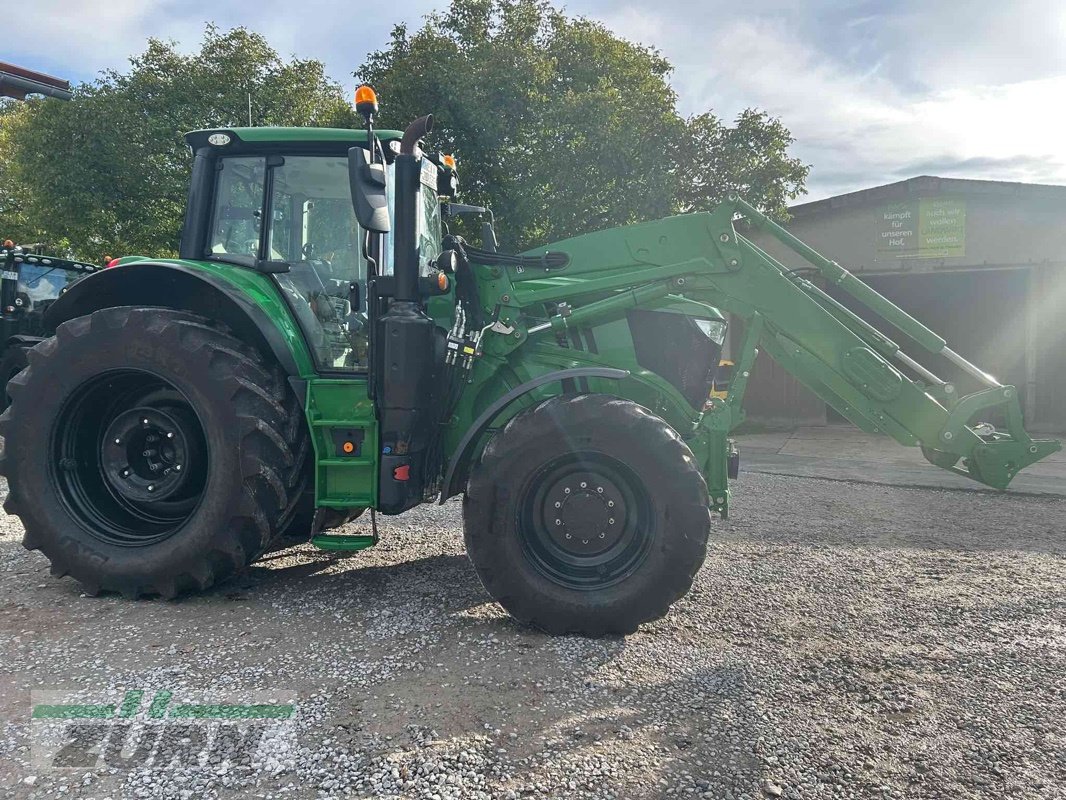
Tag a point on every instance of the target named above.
point(235, 221)
point(428, 221)
point(313, 229)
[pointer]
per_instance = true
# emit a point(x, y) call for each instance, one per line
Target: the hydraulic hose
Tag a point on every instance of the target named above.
point(549, 260)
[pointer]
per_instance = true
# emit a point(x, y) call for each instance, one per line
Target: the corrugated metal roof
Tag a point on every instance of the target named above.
point(925, 186)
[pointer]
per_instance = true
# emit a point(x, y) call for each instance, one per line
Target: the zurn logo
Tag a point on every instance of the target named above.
point(160, 729)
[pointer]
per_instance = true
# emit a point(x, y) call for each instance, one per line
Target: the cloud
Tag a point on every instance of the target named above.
point(953, 166)
point(85, 37)
point(871, 91)
point(76, 40)
point(869, 94)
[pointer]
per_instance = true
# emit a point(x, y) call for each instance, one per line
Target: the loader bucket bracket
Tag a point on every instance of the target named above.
point(992, 459)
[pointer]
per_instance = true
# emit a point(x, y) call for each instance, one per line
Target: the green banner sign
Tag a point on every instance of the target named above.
point(924, 228)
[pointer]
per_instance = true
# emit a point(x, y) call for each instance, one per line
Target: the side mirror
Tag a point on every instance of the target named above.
point(488, 235)
point(368, 191)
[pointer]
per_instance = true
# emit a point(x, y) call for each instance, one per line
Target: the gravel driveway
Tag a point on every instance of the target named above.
point(842, 640)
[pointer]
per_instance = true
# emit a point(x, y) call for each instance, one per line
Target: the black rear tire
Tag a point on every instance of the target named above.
point(586, 514)
point(128, 404)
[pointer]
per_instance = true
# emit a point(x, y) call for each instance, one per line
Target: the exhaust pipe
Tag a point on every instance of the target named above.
point(415, 131)
point(408, 351)
point(408, 177)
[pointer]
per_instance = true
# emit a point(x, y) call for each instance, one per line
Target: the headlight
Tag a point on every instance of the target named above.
point(713, 329)
point(683, 350)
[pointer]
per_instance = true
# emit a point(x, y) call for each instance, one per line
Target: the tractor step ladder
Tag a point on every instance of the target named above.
point(344, 436)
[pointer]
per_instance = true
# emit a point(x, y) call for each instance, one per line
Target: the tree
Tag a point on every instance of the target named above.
point(563, 127)
point(108, 171)
point(557, 124)
point(14, 223)
point(751, 158)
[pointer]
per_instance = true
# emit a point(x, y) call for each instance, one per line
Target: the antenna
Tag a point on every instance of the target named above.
point(249, 109)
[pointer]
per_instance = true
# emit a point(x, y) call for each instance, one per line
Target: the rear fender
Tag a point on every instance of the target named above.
point(248, 305)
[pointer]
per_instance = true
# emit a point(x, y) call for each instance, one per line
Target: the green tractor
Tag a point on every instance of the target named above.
point(321, 348)
point(30, 281)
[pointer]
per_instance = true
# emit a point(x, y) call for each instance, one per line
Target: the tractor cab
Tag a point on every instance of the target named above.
point(278, 200)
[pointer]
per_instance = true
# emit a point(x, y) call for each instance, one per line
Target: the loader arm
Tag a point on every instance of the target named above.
point(862, 373)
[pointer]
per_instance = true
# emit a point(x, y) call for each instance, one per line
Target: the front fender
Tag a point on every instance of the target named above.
point(481, 424)
point(499, 387)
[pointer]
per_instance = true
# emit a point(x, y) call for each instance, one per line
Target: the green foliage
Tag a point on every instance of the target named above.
point(558, 124)
point(108, 171)
point(562, 127)
point(14, 222)
point(750, 158)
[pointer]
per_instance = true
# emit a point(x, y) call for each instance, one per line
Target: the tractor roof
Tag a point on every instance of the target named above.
point(264, 138)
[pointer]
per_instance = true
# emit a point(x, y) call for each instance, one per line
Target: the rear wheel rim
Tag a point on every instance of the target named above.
point(585, 521)
point(129, 458)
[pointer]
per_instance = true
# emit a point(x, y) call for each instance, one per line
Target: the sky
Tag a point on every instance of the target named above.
point(873, 92)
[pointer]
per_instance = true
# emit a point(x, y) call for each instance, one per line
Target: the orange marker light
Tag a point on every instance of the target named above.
point(449, 161)
point(348, 447)
point(442, 281)
point(366, 100)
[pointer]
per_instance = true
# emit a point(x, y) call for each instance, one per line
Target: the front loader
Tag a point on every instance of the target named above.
point(322, 347)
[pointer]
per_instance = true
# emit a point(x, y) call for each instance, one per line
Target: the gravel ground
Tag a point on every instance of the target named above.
point(842, 640)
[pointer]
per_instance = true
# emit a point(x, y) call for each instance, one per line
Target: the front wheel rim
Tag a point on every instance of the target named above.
point(586, 521)
point(129, 458)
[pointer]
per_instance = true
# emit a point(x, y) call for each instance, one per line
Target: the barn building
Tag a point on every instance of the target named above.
point(983, 263)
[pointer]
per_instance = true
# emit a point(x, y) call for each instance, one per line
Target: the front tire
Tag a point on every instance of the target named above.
point(148, 452)
point(586, 514)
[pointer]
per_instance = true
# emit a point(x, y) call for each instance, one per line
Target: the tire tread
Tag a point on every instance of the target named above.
point(275, 445)
point(575, 412)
